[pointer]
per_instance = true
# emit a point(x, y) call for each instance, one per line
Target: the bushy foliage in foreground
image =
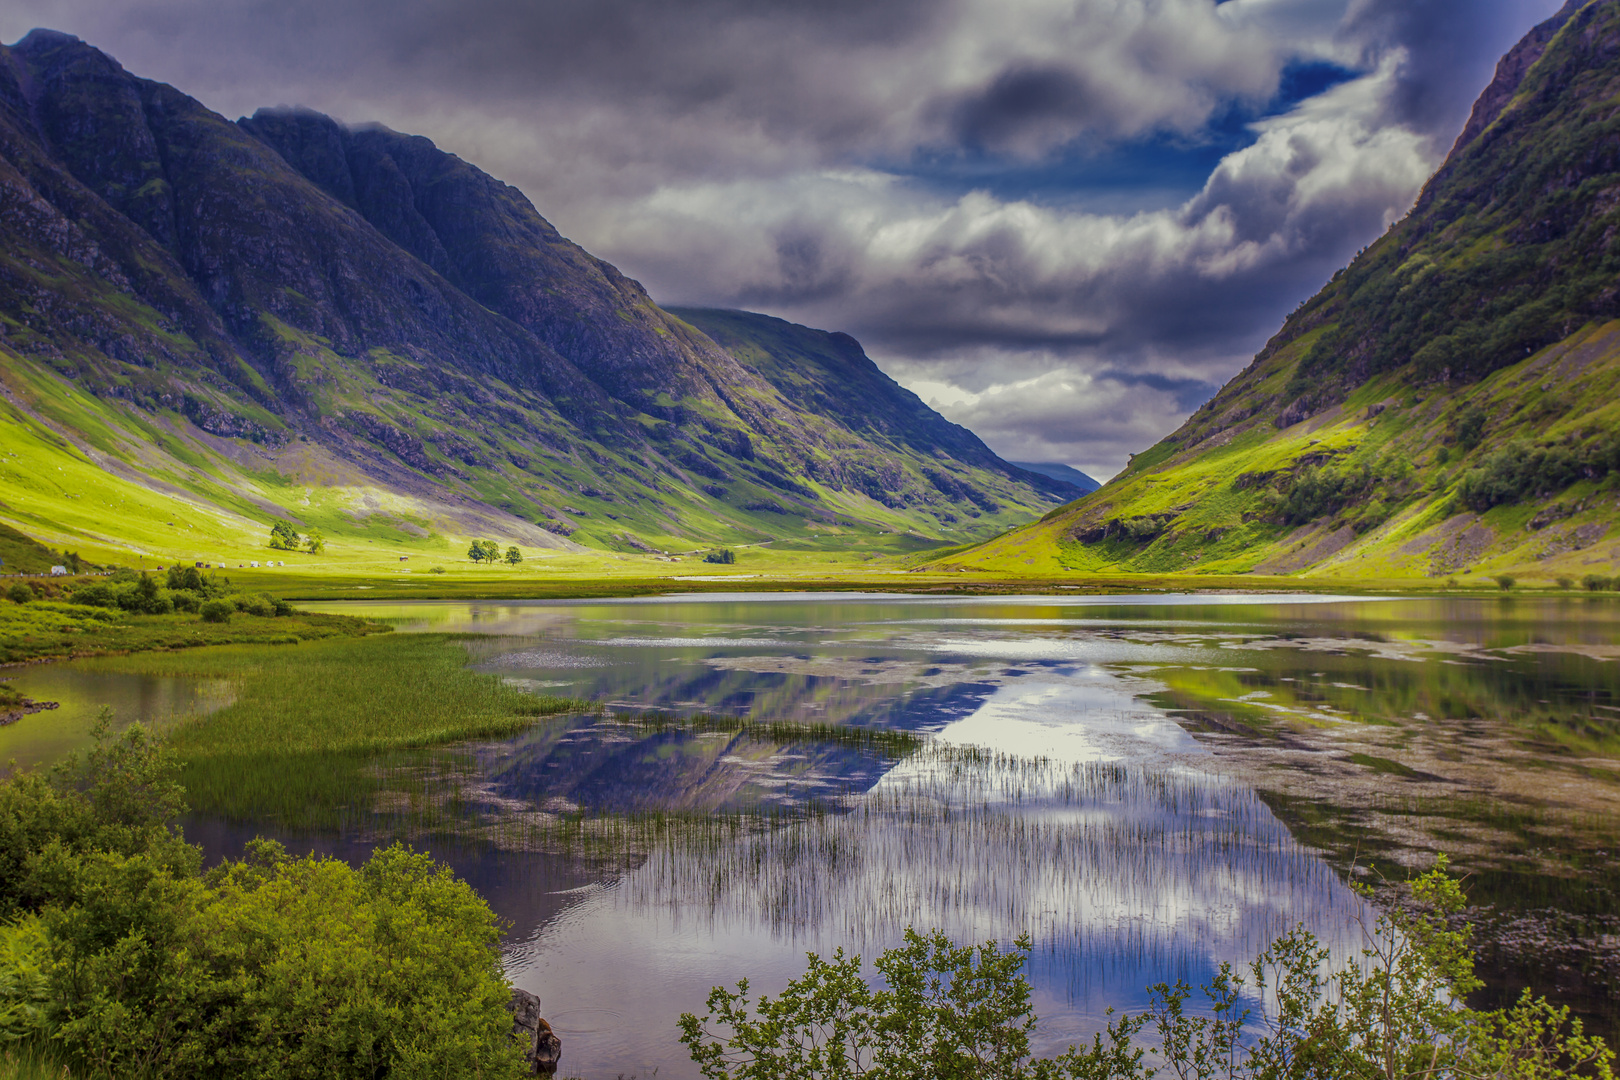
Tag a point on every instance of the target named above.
point(951, 1012)
point(120, 956)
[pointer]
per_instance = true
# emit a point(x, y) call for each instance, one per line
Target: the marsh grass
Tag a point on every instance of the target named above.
point(28, 1061)
point(880, 740)
point(316, 730)
point(47, 630)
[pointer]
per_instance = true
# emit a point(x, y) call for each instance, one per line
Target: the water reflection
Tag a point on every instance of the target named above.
point(45, 737)
point(1058, 790)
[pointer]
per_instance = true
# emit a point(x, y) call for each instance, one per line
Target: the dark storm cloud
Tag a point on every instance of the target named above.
point(840, 163)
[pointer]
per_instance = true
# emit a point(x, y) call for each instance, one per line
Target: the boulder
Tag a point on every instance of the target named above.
point(542, 1049)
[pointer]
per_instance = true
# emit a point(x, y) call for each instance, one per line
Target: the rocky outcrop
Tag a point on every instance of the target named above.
point(542, 1048)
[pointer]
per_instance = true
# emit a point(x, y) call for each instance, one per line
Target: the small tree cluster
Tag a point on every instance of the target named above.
point(489, 551)
point(724, 556)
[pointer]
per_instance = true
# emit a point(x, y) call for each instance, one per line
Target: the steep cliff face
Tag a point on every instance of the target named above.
point(287, 297)
point(1448, 402)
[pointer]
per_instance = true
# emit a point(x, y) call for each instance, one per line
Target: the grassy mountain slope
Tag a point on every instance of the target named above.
point(282, 317)
point(1446, 404)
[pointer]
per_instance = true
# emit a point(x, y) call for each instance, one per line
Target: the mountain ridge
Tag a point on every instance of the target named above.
point(285, 312)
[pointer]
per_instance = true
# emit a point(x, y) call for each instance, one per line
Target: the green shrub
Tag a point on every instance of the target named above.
point(724, 555)
point(1565, 583)
point(95, 594)
point(1594, 582)
point(255, 604)
point(185, 600)
point(280, 967)
point(217, 611)
point(1505, 582)
point(949, 1012)
point(20, 593)
point(120, 953)
point(1521, 470)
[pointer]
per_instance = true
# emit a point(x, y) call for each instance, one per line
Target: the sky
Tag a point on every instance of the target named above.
point(1063, 223)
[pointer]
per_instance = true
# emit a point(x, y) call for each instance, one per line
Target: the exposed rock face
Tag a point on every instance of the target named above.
point(544, 1048)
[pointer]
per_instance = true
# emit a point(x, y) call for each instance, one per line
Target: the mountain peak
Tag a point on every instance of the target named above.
point(350, 306)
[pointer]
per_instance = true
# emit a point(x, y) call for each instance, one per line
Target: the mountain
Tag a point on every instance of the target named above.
point(206, 325)
point(1447, 404)
point(1076, 479)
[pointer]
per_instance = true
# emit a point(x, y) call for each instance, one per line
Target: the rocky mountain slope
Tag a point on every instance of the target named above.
point(285, 317)
point(1447, 404)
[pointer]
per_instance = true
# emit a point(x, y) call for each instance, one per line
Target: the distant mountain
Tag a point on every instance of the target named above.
point(348, 327)
point(1448, 403)
point(1076, 479)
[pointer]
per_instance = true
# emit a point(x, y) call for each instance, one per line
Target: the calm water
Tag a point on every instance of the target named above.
point(1129, 850)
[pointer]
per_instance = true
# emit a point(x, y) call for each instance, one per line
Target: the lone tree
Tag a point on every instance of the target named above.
point(513, 555)
point(283, 537)
point(315, 543)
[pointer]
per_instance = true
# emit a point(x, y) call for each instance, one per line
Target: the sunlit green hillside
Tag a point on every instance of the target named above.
point(1446, 405)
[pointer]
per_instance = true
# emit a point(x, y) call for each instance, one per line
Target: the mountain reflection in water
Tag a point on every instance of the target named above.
point(1053, 791)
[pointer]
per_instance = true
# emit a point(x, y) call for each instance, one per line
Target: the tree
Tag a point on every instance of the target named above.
point(513, 555)
point(315, 543)
point(484, 551)
point(283, 537)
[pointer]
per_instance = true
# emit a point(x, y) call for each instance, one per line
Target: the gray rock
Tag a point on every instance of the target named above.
point(542, 1048)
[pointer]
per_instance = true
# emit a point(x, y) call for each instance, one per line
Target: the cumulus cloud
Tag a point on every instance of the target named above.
point(805, 157)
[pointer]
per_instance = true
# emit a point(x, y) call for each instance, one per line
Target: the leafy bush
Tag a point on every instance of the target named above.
point(117, 950)
point(275, 967)
point(1595, 583)
point(217, 611)
point(191, 579)
point(952, 1013)
point(1505, 582)
point(1565, 583)
point(1315, 493)
point(1469, 428)
point(255, 604)
point(20, 593)
point(724, 556)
